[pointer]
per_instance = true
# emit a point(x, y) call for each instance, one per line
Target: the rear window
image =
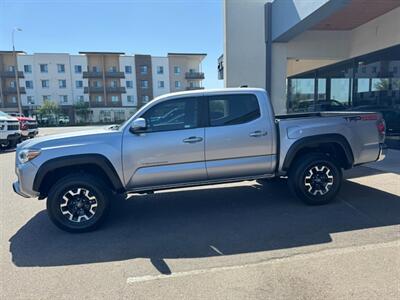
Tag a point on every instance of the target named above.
point(233, 109)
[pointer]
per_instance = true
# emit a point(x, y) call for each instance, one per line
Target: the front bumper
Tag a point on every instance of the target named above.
point(17, 190)
point(26, 174)
point(382, 152)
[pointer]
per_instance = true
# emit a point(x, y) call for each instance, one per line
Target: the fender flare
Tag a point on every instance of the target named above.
point(75, 160)
point(315, 140)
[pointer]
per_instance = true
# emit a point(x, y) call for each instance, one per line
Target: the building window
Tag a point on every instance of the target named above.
point(45, 83)
point(62, 83)
point(13, 84)
point(177, 70)
point(61, 68)
point(78, 84)
point(46, 98)
point(177, 84)
point(31, 100)
point(112, 69)
point(145, 98)
point(44, 68)
point(79, 98)
point(114, 98)
point(128, 69)
point(11, 68)
point(14, 99)
point(129, 84)
point(78, 69)
point(114, 83)
point(96, 83)
point(160, 70)
point(98, 98)
point(28, 68)
point(144, 84)
point(29, 84)
point(160, 84)
point(143, 70)
point(130, 99)
point(63, 99)
point(95, 69)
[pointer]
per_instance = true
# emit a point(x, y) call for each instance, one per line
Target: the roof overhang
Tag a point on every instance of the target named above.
point(324, 15)
point(100, 53)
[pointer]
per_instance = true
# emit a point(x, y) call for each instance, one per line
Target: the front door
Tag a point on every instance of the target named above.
point(170, 151)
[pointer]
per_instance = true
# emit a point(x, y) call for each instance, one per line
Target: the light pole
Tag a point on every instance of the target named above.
point(16, 70)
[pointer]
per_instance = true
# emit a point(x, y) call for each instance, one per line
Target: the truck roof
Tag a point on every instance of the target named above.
point(211, 91)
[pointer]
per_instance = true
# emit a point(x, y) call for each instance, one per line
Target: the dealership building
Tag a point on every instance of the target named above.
point(315, 55)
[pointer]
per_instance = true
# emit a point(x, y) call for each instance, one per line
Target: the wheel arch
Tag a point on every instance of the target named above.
point(333, 144)
point(56, 168)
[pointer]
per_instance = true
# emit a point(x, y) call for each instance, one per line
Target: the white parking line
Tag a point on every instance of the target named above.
point(322, 253)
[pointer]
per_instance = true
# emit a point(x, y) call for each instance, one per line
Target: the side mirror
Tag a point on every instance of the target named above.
point(138, 125)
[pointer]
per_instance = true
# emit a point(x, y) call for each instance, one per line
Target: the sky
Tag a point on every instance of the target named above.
point(153, 27)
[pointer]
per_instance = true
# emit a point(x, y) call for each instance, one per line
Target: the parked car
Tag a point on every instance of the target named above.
point(63, 120)
point(29, 126)
point(311, 105)
point(10, 133)
point(391, 116)
point(224, 135)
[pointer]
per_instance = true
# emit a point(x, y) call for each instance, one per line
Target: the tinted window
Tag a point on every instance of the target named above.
point(173, 115)
point(233, 109)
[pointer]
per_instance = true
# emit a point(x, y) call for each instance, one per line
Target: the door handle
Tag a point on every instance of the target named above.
point(258, 133)
point(193, 139)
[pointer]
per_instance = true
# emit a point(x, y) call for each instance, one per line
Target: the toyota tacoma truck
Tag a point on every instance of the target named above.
point(10, 133)
point(195, 138)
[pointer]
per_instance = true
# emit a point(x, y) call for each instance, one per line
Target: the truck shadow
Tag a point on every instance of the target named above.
point(204, 223)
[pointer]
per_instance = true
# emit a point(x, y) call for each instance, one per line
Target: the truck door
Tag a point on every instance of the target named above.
point(170, 150)
point(239, 139)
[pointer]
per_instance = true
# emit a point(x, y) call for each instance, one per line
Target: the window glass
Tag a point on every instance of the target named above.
point(233, 109)
point(340, 90)
point(173, 115)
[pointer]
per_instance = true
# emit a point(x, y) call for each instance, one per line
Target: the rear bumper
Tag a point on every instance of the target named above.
point(382, 152)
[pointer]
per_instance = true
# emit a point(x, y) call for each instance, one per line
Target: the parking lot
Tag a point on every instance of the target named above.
point(232, 241)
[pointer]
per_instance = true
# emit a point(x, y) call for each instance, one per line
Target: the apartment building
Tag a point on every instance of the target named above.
point(112, 85)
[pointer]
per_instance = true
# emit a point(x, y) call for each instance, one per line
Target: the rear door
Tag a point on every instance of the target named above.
point(239, 139)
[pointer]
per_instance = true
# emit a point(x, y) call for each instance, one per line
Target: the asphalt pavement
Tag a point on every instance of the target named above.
point(231, 241)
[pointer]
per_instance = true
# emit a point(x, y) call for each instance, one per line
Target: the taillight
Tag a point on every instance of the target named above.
point(23, 125)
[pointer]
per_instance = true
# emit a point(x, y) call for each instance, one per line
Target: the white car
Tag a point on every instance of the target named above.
point(10, 133)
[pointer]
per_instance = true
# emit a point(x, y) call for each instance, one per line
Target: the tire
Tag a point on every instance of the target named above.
point(78, 203)
point(315, 179)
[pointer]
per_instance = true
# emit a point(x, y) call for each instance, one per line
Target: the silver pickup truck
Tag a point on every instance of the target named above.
point(195, 138)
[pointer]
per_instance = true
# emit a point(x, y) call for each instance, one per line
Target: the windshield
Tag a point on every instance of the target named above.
point(2, 114)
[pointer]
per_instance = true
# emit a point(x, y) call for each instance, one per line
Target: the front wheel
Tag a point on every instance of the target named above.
point(315, 179)
point(78, 203)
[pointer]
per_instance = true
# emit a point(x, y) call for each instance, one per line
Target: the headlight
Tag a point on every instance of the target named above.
point(27, 155)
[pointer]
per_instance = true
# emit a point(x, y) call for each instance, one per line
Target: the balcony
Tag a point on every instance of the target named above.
point(115, 74)
point(92, 89)
point(92, 74)
point(194, 75)
point(100, 74)
point(11, 74)
point(12, 91)
point(100, 90)
point(192, 88)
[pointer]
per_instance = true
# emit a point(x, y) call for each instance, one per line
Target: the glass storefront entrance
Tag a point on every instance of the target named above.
point(366, 83)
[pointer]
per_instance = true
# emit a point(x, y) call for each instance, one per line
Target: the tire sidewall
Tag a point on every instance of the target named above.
point(301, 169)
point(56, 193)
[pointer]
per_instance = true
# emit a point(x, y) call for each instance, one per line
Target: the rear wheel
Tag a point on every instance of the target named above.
point(315, 178)
point(78, 203)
